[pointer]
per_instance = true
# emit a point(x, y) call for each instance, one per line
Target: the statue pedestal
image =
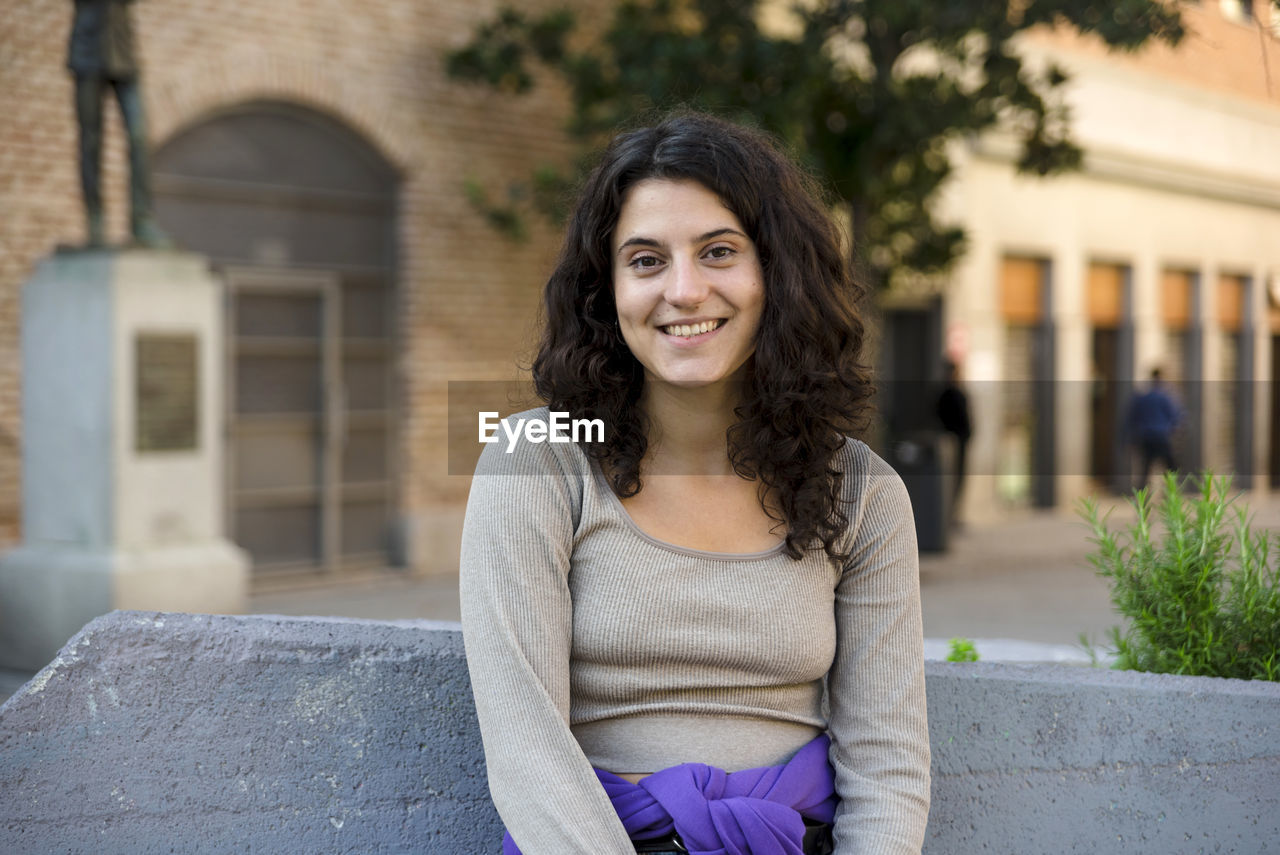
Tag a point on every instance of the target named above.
point(122, 449)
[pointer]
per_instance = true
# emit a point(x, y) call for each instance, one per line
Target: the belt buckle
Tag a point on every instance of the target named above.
point(671, 843)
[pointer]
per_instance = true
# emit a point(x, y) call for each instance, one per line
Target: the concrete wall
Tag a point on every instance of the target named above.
point(1050, 759)
point(153, 733)
point(159, 732)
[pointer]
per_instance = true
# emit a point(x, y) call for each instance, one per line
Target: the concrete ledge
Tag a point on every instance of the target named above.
point(153, 733)
point(158, 733)
point(1059, 758)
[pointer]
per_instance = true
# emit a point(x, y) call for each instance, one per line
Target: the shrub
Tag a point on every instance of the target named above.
point(962, 650)
point(1202, 595)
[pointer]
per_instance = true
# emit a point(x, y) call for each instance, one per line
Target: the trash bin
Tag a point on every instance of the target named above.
point(925, 460)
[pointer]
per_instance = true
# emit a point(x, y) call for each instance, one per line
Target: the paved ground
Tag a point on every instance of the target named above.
point(1027, 578)
point(1024, 579)
point(1022, 588)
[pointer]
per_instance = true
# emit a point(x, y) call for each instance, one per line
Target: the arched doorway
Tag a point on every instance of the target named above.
point(297, 213)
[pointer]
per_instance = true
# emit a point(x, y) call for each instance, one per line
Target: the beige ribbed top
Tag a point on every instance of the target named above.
point(591, 643)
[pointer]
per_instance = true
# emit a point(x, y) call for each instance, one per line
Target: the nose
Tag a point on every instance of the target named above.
point(687, 284)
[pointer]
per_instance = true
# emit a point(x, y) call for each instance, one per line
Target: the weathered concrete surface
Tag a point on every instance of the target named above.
point(1056, 758)
point(159, 733)
point(155, 733)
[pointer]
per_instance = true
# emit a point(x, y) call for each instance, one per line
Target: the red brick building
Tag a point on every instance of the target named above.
point(317, 153)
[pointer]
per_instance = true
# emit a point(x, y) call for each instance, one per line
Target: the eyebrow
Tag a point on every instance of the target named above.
point(647, 241)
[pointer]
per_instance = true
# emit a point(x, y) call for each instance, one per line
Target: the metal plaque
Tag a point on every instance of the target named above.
point(168, 381)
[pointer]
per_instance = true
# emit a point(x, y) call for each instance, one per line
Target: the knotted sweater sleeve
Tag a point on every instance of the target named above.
point(517, 627)
point(876, 688)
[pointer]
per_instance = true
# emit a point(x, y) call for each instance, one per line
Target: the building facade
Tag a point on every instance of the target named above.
point(1162, 251)
point(318, 154)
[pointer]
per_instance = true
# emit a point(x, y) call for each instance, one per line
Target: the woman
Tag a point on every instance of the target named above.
point(726, 577)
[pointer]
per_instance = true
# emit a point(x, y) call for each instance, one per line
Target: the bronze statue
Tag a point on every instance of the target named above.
point(100, 55)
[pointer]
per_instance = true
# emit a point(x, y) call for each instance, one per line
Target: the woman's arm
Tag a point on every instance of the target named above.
point(517, 625)
point(878, 727)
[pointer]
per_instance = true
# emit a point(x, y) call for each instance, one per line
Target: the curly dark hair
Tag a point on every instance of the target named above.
point(804, 389)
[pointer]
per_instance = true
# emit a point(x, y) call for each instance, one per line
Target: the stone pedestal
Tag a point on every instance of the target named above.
point(122, 449)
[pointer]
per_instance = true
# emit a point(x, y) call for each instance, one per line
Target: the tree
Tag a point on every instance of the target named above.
point(868, 92)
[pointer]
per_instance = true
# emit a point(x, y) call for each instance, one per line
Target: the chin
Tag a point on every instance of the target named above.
point(688, 376)
point(694, 381)
point(690, 383)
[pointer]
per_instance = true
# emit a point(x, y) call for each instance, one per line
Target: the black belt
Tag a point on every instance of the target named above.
point(817, 841)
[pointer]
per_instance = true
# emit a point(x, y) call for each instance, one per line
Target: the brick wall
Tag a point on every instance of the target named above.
point(466, 295)
point(1220, 52)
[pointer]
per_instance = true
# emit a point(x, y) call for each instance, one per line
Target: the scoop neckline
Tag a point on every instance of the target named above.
point(616, 503)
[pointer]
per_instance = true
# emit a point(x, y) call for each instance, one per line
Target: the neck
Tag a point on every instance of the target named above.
point(688, 428)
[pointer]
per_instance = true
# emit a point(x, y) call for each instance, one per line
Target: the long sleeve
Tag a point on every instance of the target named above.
point(876, 689)
point(517, 626)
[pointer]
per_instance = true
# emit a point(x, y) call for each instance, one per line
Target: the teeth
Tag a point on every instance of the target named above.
point(687, 330)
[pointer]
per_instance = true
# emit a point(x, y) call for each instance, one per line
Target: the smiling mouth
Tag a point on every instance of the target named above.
point(690, 330)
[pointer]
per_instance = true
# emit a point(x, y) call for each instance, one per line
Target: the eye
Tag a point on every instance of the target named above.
point(721, 252)
point(645, 262)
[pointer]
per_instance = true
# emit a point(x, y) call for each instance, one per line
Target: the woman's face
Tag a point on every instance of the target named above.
point(687, 283)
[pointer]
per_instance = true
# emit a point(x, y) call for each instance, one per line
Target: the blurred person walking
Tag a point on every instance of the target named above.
point(1149, 425)
point(953, 412)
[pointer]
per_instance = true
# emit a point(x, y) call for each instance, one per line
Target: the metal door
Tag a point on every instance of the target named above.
point(285, 417)
point(297, 213)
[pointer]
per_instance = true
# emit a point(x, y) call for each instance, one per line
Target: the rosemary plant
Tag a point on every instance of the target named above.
point(1198, 586)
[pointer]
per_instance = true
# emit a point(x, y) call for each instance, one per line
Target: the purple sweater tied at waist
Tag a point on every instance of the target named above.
point(752, 812)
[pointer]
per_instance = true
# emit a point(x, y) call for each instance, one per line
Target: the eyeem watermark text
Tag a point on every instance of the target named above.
point(558, 428)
